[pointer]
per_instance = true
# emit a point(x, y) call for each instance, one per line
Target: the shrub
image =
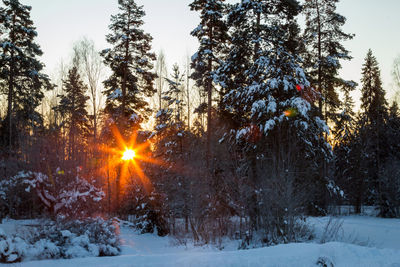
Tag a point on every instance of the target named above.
point(62, 239)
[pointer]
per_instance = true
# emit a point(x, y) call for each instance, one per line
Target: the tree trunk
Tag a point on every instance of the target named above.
point(209, 103)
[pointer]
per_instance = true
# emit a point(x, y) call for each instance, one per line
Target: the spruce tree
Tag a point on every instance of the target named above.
point(272, 120)
point(373, 119)
point(373, 102)
point(20, 71)
point(130, 61)
point(324, 38)
point(72, 108)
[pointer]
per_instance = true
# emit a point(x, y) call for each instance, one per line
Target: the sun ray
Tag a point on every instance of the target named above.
point(118, 136)
point(125, 159)
point(132, 140)
point(149, 160)
point(146, 182)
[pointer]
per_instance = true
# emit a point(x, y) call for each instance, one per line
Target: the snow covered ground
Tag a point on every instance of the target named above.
point(380, 239)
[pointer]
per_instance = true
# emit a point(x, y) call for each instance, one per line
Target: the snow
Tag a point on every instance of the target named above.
point(322, 124)
point(381, 238)
point(371, 231)
point(116, 94)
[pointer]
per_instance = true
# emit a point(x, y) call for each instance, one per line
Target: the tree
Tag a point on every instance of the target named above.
point(396, 76)
point(374, 117)
point(20, 71)
point(212, 35)
point(73, 108)
point(272, 123)
point(324, 36)
point(161, 69)
point(373, 102)
point(91, 67)
point(130, 61)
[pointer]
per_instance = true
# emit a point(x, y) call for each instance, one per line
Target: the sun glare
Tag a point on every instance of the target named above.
point(129, 154)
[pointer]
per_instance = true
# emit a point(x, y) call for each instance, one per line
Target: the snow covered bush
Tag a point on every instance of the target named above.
point(147, 208)
point(65, 195)
point(12, 249)
point(63, 239)
point(76, 238)
point(14, 200)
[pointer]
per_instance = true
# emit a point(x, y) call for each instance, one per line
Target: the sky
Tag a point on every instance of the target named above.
point(60, 23)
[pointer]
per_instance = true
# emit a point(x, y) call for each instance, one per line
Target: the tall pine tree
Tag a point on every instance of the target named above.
point(20, 71)
point(212, 35)
point(130, 61)
point(324, 37)
point(373, 119)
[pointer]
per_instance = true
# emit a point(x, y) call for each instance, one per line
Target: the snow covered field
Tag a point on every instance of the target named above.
point(380, 240)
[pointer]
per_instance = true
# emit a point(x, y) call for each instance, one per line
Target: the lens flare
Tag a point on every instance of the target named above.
point(129, 154)
point(291, 112)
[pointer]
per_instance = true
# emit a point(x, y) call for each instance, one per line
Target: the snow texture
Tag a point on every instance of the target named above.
point(150, 250)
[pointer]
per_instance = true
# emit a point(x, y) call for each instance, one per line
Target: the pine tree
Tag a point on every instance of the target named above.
point(373, 120)
point(212, 35)
point(346, 152)
point(373, 102)
point(20, 71)
point(72, 108)
point(130, 61)
point(345, 121)
point(170, 123)
point(324, 36)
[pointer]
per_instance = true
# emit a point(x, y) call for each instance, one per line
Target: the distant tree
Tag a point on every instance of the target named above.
point(161, 69)
point(20, 72)
point(373, 119)
point(91, 67)
point(72, 108)
point(373, 102)
point(396, 77)
point(130, 61)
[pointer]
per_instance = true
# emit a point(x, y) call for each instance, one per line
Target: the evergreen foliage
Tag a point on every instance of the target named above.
point(20, 72)
point(130, 61)
point(324, 37)
point(72, 108)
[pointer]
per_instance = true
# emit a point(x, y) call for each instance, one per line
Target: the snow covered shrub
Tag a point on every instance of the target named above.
point(12, 249)
point(75, 238)
point(14, 200)
point(44, 249)
point(147, 209)
point(102, 235)
point(65, 195)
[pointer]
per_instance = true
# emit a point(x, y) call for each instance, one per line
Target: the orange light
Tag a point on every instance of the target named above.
point(129, 154)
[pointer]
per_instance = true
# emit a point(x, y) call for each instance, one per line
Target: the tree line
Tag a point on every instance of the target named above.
point(257, 131)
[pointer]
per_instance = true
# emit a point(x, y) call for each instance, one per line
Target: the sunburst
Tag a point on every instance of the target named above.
point(127, 157)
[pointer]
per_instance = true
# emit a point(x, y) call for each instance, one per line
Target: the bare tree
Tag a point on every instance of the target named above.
point(396, 77)
point(91, 67)
point(161, 70)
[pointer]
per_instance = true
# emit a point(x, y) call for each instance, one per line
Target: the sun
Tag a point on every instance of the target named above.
point(128, 154)
point(126, 158)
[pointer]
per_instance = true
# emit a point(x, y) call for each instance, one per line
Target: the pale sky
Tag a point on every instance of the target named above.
point(61, 22)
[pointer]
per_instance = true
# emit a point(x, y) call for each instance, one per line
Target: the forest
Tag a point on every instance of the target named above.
point(256, 132)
